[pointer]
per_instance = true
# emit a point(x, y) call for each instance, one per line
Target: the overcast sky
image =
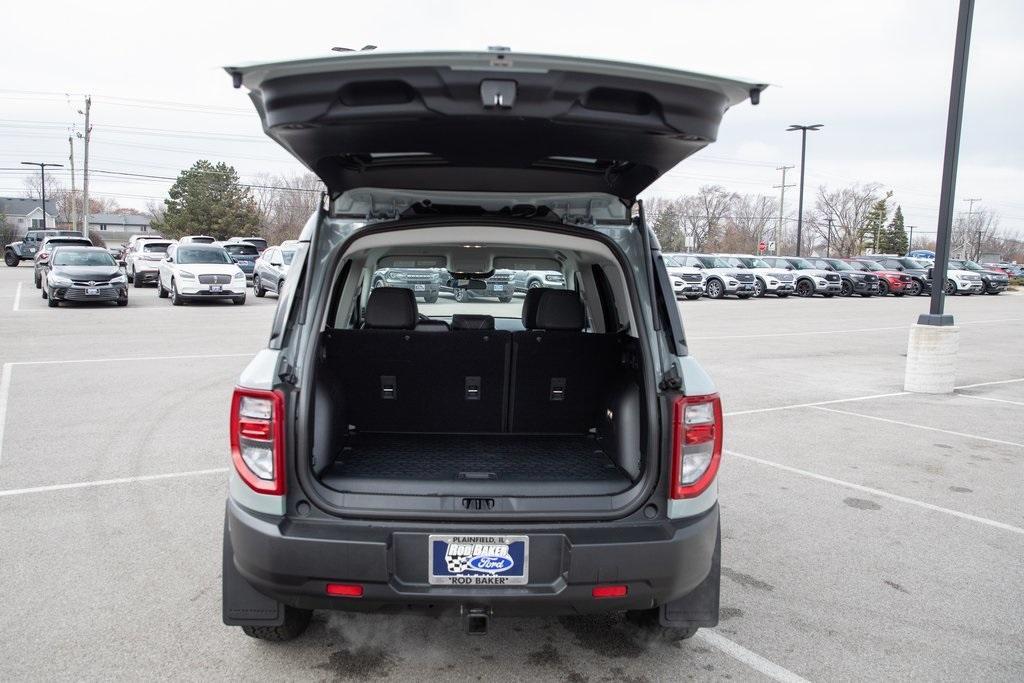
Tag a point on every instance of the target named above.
point(875, 72)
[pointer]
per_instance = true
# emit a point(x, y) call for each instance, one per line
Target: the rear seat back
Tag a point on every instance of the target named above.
point(559, 372)
point(397, 378)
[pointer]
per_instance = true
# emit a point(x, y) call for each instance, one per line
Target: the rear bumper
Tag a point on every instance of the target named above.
point(292, 560)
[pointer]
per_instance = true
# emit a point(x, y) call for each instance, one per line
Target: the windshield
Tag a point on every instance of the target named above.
point(839, 265)
point(287, 255)
point(873, 266)
point(751, 262)
point(671, 260)
point(801, 264)
point(857, 265)
point(155, 247)
point(911, 263)
point(241, 250)
point(713, 262)
point(971, 265)
point(73, 257)
point(186, 255)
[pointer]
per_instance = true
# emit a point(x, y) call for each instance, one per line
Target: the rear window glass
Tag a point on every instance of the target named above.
point(287, 255)
point(241, 249)
point(157, 248)
point(257, 241)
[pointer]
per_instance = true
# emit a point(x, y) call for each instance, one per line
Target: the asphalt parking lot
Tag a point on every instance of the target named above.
point(867, 533)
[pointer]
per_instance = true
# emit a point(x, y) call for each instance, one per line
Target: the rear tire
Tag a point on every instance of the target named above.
point(160, 291)
point(136, 281)
point(460, 295)
point(649, 620)
point(296, 621)
point(122, 302)
point(238, 300)
point(715, 289)
point(257, 287)
point(52, 303)
point(11, 259)
point(507, 299)
point(430, 298)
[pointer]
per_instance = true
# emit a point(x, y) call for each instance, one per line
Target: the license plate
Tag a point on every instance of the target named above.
point(499, 288)
point(479, 560)
point(92, 290)
point(215, 288)
point(419, 288)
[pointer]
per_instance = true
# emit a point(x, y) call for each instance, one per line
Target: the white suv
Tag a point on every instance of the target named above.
point(809, 280)
point(200, 271)
point(721, 279)
point(767, 280)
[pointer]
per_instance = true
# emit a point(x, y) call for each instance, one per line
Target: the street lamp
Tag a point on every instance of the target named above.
point(803, 156)
point(42, 188)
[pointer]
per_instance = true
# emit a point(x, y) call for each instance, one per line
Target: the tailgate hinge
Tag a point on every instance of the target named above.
point(671, 379)
point(287, 373)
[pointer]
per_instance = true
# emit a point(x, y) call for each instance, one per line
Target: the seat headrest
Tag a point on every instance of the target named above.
point(559, 309)
point(391, 308)
point(463, 321)
point(530, 308)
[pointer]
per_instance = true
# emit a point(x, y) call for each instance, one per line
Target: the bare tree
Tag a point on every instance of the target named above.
point(848, 207)
point(748, 221)
point(974, 233)
point(703, 214)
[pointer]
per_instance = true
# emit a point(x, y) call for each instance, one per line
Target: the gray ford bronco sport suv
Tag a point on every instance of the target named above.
point(558, 459)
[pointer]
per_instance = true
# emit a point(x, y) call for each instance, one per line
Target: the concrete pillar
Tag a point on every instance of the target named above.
point(931, 359)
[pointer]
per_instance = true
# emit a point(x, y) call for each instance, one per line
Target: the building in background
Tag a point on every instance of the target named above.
point(21, 215)
point(116, 228)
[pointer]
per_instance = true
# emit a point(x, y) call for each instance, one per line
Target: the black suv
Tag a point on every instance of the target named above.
point(992, 282)
point(556, 455)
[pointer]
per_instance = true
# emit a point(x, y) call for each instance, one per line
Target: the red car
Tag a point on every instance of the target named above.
point(889, 281)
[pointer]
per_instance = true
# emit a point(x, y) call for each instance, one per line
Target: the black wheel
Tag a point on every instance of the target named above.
point(883, 288)
point(238, 300)
point(715, 289)
point(52, 303)
point(805, 288)
point(533, 284)
point(44, 292)
point(122, 302)
point(11, 259)
point(914, 288)
point(136, 281)
point(430, 298)
point(847, 288)
point(460, 294)
point(176, 299)
point(131, 276)
point(759, 288)
point(648, 620)
point(693, 297)
point(296, 621)
point(257, 287)
point(38, 280)
point(505, 299)
point(160, 291)
point(950, 288)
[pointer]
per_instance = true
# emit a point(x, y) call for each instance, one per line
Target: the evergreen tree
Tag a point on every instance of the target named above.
point(894, 238)
point(209, 199)
point(666, 224)
point(874, 223)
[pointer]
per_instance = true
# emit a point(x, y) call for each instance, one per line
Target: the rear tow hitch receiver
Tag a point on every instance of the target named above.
point(475, 620)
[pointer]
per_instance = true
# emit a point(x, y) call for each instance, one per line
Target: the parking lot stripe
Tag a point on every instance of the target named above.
point(109, 482)
point(917, 426)
point(17, 298)
point(989, 384)
point(5, 390)
point(751, 659)
point(992, 398)
point(131, 358)
point(851, 331)
point(878, 492)
point(814, 404)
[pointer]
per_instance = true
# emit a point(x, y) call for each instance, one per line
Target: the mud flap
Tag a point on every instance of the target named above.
point(242, 604)
point(700, 606)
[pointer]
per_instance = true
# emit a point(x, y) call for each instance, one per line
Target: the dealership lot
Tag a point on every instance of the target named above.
point(867, 533)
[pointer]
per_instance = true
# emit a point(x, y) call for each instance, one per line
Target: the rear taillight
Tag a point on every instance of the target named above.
point(43, 255)
point(257, 439)
point(696, 444)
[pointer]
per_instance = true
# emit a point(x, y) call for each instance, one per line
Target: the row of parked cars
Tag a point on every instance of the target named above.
point(68, 267)
point(746, 276)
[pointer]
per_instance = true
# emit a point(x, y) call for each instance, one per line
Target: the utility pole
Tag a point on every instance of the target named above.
point(85, 166)
point(828, 239)
point(74, 197)
point(42, 187)
point(970, 221)
point(910, 239)
point(782, 205)
point(803, 162)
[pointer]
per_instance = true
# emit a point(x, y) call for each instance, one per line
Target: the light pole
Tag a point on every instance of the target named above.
point(803, 157)
point(42, 188)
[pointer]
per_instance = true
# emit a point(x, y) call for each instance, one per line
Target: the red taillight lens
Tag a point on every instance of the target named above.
point(257, 439)
point(696, 444)
point(345, 590)
point(617, 591)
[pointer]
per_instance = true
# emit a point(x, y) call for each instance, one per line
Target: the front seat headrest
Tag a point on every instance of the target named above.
point(391, 308)
point(560, 309)
point(530, 307)
point(464, 321)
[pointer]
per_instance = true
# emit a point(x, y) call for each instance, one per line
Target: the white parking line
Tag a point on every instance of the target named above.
point(917, 426)
point(850, 331)
point(878, 492)
point(992, 398)
point(5, 389)
point(989, 384)
point(17, 298)
point(109, 482)
point(751, 659)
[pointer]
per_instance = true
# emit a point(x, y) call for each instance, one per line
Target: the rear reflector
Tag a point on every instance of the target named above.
point(617, 591)
point(345, 590)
